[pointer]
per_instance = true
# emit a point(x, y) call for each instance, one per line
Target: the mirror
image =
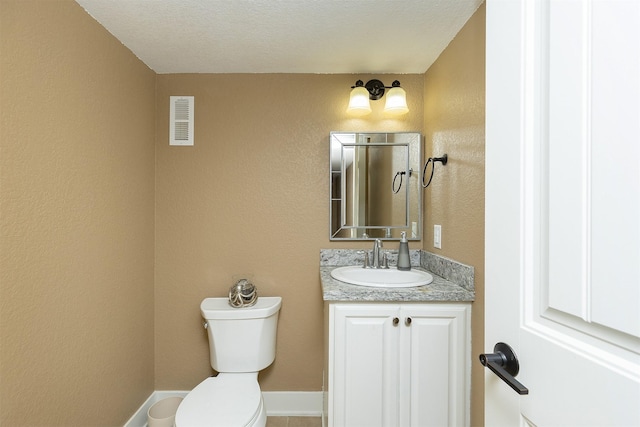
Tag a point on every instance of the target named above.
point(375, 185)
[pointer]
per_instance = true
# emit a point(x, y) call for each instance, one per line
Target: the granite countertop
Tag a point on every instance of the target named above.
point(440, 290)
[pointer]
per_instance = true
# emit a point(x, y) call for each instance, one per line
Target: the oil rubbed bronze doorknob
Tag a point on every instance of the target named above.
point(504, 363)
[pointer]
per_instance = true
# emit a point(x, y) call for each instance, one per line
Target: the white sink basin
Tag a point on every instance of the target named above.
point(381, 277)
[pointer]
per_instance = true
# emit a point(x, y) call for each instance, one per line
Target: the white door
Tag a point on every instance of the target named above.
point(563, 210)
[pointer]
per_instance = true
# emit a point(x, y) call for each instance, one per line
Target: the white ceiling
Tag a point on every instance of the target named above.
point(284, 36)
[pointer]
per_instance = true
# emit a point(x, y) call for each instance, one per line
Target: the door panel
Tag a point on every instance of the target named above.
point(591, 197)
point(616, 165)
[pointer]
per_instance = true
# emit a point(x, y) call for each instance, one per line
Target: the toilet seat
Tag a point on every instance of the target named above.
point(228, 400)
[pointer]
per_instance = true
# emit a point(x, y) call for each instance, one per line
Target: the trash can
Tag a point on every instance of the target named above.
point(163, 412)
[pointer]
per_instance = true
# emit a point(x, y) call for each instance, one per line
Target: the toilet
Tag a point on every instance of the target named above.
point(242, 342)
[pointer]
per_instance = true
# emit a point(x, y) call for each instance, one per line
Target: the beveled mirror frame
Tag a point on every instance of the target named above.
point(352, 172)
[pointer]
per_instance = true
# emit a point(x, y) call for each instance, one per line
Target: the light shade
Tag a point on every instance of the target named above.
point(396, 103)
point(359, 101)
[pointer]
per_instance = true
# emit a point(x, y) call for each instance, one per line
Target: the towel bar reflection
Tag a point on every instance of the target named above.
point(400, 174)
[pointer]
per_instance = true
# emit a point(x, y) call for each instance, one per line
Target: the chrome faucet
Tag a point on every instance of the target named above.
point(377, 244)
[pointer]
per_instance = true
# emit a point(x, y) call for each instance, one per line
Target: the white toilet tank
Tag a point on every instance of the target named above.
point(241, 339)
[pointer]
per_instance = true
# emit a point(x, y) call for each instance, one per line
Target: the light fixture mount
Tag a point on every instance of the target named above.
point(375, 87)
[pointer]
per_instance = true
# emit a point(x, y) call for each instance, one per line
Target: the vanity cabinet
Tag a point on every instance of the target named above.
point(398, 364)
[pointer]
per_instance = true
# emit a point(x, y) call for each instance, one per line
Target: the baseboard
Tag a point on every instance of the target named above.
point(293, 403)
point(277, 403)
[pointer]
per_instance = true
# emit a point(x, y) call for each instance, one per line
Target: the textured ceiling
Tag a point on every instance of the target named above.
point(284, 36)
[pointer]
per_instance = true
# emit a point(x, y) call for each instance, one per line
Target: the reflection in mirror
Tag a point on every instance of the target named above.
point(375, 185)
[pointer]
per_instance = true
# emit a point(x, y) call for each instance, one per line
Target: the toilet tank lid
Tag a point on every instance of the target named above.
point(219, 308)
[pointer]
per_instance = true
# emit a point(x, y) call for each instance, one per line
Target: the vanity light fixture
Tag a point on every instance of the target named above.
point(361, 93)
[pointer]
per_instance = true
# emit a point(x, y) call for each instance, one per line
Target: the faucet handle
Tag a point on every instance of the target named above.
point(385, 260)
point(366, 260)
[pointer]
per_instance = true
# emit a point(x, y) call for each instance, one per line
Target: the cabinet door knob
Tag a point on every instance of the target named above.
point(396, 321)
point(407, 321)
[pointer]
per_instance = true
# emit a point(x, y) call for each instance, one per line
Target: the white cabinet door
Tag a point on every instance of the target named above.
point(399, 365)
point(363, 366)
point(435, 355)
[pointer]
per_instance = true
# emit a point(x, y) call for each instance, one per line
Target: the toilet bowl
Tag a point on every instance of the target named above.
point(227, 400)
point(242, 341)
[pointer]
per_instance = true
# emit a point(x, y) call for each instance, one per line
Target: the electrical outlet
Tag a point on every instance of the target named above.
point(437, 236)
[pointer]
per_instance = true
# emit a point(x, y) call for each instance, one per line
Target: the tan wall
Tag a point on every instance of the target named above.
point(77, 137)
point(251, 197)
point(454, 124)
point(76, 220)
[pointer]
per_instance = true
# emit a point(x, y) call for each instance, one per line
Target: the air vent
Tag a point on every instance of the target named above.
point(181, 120)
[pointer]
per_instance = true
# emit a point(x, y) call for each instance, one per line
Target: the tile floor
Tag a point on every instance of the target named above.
point(294, 422)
